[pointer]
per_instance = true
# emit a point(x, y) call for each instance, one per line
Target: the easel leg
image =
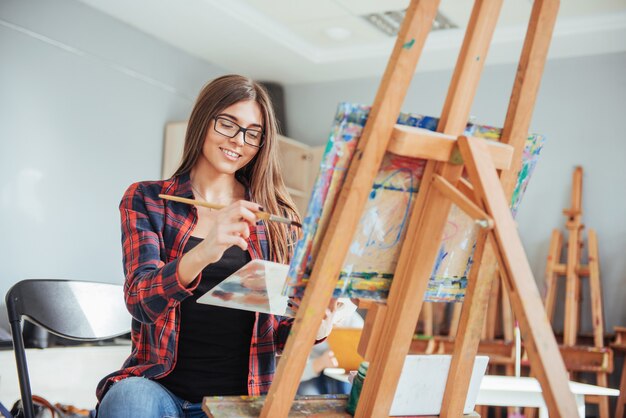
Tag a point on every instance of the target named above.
point(621, 400)
point(489, 263)
point(405, 300)
point(427, 317)
point(572, 288)
point(507, 313)
point(457, 308)
point(595, 287)
point(374, 322)
point(554, 257)
point(466, 344)
point(602, 401)
point(530, 412)
point(543, 352)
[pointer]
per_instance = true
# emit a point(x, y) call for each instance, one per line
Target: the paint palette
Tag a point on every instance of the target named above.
point(256, 287)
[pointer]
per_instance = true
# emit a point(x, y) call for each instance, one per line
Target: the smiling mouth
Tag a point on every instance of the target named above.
point(230, 153)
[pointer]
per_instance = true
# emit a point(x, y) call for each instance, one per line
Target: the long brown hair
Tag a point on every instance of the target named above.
point(263, 173)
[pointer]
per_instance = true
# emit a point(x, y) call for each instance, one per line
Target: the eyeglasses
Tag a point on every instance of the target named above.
point(227, 127)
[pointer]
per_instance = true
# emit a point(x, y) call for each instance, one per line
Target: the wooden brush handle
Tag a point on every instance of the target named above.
point(261, 215)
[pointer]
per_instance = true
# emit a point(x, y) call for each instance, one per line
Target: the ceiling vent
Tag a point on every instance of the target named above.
point(389, 22)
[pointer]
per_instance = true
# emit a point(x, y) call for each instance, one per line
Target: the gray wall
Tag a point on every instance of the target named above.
point(580, 108)
point(83, 104)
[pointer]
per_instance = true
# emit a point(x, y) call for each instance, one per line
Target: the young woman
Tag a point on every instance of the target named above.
point(174, 252)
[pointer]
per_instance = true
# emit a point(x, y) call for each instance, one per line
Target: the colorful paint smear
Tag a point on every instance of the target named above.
point(373, 255)
point(332, 406)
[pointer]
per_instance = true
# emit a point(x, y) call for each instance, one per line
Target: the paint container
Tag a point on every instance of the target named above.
point(357, 385)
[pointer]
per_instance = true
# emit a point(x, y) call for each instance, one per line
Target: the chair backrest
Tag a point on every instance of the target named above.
point(77, 310)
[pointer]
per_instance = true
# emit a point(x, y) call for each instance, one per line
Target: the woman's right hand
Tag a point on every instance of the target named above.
point(228, 226)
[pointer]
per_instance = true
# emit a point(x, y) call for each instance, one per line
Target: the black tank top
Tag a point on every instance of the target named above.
point(214, 342)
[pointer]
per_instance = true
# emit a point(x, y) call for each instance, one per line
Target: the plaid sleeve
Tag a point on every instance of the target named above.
point(283, 324)
point(283, 329)
point(151, 284)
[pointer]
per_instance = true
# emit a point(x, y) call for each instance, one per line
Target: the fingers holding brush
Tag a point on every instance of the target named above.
point(258, 210)
point(241, 210)
point(229, 226)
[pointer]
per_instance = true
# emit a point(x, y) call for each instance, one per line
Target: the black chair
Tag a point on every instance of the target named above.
point(77, 310)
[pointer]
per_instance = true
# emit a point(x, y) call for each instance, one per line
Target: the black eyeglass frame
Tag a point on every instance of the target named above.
point(241, 129)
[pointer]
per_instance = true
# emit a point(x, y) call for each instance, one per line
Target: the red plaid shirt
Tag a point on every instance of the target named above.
point(154, 234)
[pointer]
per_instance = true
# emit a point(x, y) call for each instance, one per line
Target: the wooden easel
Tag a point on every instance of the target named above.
point(574, 271)
point(482, 198)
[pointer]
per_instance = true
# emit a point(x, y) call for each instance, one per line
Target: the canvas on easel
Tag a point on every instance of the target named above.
point(369, 266)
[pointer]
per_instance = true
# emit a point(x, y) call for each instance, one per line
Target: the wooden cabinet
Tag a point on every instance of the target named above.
point(173, 147)
point(299, 162)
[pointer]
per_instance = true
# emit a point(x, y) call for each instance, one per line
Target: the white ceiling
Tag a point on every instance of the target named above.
point(289, 41)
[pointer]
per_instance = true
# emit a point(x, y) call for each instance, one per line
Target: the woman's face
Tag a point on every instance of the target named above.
point(227, 155)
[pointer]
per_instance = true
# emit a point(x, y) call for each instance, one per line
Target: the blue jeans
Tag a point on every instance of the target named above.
point(136, 397)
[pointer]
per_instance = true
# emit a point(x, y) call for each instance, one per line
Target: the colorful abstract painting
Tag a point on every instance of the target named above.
point(369, 267)
point(373, 255)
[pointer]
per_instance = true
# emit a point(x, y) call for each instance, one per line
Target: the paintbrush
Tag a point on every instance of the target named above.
point(261, 215)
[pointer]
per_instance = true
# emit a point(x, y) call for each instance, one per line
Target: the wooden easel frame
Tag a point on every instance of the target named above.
point(573, 270)
point(391, 343)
